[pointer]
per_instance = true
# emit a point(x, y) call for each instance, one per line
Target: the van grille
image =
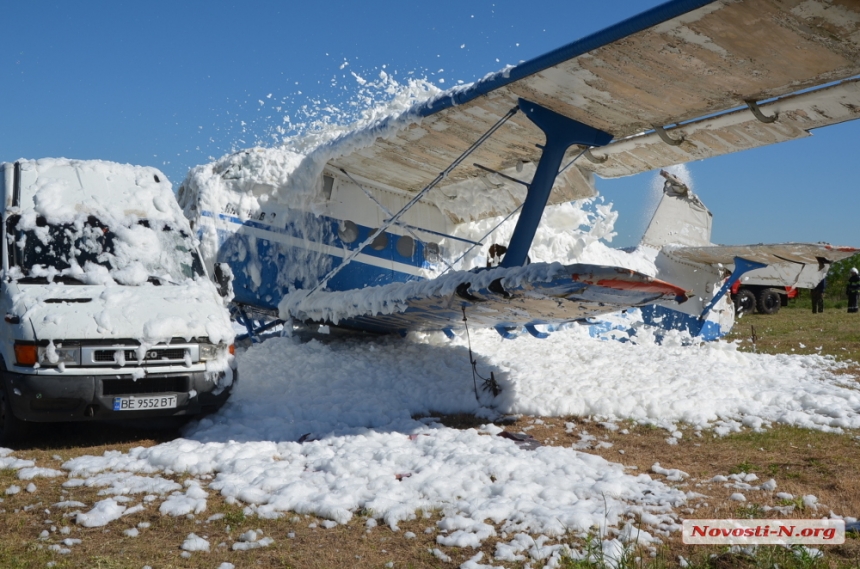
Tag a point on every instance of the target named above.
point(161, 354)
point(179, 384)
point(154, 354)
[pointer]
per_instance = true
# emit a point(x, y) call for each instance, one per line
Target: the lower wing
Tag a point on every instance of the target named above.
point(504, 299)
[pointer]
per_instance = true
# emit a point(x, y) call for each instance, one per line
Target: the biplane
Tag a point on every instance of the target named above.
point(364, 231)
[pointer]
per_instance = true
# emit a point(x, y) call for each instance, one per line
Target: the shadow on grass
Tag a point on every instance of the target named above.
point(55, 436)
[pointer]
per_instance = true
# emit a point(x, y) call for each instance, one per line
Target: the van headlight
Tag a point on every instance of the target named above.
point(56, 355)
point(208, 352)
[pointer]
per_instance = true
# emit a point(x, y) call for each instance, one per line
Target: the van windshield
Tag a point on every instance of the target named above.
point(88, 250)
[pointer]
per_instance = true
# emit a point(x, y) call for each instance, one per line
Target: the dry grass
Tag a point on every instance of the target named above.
point(802, 462)
point(24, 516)
point(799, 331)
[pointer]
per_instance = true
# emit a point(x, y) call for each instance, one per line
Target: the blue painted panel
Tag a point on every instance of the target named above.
point(668, 319)
point(662, 318)
point(283, 267)
point(325, 230)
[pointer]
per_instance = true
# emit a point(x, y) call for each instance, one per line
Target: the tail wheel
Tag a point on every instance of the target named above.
point(744, 302)
point(769, 301)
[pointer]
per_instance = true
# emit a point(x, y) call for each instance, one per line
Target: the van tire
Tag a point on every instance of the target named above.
point(12, 429)
point(744, 302)
point(769, 301)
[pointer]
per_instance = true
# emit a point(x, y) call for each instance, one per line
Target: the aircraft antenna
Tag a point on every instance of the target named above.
point(489, 382)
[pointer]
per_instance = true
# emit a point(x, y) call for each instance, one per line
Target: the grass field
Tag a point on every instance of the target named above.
point(796, 330)
point(801, 462)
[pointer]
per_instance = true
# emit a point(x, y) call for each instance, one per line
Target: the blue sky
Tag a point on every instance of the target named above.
point(172, 84)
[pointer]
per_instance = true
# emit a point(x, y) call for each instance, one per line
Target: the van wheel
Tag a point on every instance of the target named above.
point(12, 429)
point(744, 302)
point(769, 301)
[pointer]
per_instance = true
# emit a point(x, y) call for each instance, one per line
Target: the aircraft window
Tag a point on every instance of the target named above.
point(406, 246)
point(347, 231)
point(432, 252)
point(328, 184)
point(380, 242)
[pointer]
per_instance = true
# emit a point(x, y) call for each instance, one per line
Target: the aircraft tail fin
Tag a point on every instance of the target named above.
point(680, 219)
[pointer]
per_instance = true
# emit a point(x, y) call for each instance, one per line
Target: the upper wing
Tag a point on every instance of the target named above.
point(692, 63)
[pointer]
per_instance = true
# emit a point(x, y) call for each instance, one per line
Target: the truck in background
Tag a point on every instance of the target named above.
point(108, 311)
point(762, 298)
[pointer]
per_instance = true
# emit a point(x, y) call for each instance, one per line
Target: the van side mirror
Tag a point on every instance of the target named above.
point(224, 279)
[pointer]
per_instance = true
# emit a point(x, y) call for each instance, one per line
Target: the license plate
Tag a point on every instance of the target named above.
point(142, 403)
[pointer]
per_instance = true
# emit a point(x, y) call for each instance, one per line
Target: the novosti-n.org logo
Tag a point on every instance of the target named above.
point(764, 532)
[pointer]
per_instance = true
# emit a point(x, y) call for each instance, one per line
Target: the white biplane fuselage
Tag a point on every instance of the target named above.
point(409, 277)
point(364, 231)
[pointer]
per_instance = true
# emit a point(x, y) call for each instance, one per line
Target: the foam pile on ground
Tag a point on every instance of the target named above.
point(352, 401)
point(709, 384)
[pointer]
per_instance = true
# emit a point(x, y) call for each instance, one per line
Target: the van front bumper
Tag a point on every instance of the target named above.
point(68, 397)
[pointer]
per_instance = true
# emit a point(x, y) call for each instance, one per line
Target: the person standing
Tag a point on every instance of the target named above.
point(853, 290)
point(818, 296)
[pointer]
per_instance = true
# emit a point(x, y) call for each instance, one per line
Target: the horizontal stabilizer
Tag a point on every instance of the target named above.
point(799, 253)
point(800, 265)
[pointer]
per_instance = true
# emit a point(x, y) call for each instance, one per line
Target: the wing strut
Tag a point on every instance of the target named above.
point(561, 133)
point(742, 266)
point(487, 234)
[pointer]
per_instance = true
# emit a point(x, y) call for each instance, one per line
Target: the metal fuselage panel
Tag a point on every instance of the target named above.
point(274, 248)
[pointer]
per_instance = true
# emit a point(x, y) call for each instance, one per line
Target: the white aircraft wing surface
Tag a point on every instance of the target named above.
point(798, 253)
point(687, 80)
point(788, 264)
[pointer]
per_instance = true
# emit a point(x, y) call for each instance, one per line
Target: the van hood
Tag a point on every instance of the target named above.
point(147, 313)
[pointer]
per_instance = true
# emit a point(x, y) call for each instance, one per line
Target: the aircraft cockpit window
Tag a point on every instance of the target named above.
point(347, 231)
point(405, 246)
point(432, 252)
point(380, 242)
point(328, 185)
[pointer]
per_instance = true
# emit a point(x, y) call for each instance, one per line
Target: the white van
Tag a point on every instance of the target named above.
point(108, 312)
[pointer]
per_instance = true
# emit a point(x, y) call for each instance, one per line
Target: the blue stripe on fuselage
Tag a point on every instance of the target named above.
point(265, 268)
point(332, 238)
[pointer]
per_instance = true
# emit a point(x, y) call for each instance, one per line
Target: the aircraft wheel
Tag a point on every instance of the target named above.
point(769, 301)
point(744, 302)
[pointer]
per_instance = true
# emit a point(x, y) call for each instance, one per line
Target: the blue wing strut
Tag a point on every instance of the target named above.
point(561, 132)
point(742, 266)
